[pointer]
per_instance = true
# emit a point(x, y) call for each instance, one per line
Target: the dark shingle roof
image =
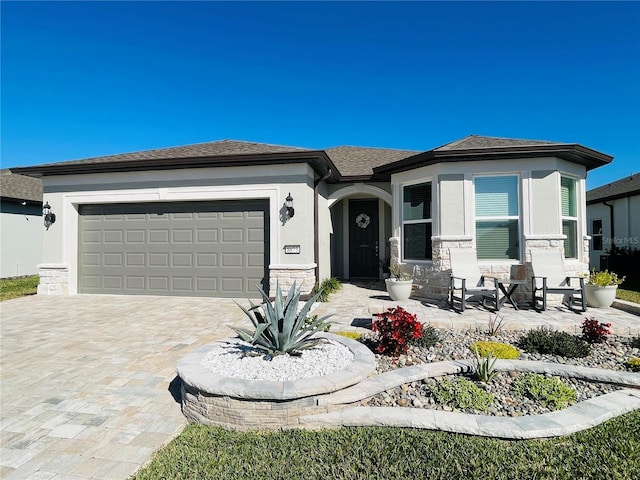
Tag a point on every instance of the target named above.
point(359, 161)
point(20, 187)
point(625, 187)
point(198, 150)
point(346, 163)
point(477, 141)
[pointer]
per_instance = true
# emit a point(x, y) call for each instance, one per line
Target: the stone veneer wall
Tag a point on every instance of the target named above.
point(304, 277)
point(432, 280)
point(243, 414)
point(54, 279)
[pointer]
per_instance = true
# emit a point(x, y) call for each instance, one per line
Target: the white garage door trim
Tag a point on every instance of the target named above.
point(71, 201)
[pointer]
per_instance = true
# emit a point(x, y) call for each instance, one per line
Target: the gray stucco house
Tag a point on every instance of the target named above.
point(212, 219)
point(21, 228)
point(613, 218)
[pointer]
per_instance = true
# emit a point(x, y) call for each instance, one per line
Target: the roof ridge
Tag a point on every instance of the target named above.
point(374, 148)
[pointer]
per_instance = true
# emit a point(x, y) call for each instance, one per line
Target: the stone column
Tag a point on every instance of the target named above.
point(54, 279)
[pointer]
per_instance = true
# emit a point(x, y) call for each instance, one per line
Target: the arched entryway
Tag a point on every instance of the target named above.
point(361, 221)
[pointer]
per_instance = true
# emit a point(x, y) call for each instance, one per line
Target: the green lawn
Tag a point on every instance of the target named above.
point(629, 291)
point(610, 450)
point(18, 287)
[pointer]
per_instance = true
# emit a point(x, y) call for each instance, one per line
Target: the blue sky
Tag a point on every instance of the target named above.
point(83, 79)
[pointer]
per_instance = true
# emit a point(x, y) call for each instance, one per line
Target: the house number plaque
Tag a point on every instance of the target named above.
point(292, 249)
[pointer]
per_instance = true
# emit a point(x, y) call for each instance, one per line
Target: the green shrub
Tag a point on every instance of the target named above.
point(498, 349)
point(279, 327)
point(461, 393)
point(326, 288)
point(349, 334)
point(635, 343)
point(633, 364)
point(428, 338)
point(554, 343)
point(550, 392)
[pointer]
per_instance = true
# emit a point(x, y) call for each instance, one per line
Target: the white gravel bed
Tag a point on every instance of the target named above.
point(241, 360)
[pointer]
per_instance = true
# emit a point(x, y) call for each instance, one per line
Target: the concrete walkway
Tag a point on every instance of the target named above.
point(86, 381)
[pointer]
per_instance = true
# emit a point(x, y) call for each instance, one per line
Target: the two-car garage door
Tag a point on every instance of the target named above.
point(214, 249)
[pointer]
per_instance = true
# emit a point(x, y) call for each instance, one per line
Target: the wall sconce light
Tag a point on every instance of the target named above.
point(49, 218)
point(288, 202)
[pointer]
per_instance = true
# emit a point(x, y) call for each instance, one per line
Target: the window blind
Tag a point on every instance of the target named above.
point(568, 196)
point(496, 196)
point(569, 228)
point(497, 240)
point(416, 203)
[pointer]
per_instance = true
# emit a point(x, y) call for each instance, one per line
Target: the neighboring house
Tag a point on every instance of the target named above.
point(21, 226)
point(211, 219)
point(613, 218)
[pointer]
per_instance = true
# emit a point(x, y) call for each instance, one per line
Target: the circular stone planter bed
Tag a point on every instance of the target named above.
point(237, 403)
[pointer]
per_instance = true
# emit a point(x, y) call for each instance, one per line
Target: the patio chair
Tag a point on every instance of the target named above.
point(549, 277)
point(466, 277)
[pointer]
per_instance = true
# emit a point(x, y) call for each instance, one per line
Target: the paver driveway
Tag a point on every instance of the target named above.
point(85, 379)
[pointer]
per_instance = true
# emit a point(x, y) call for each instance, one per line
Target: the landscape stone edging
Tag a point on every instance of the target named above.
point(580, 416)
point(575, 418)
point(394, 378)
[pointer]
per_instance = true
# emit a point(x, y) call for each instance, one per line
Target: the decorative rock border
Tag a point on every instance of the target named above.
point(578, 417)
point(240, 404)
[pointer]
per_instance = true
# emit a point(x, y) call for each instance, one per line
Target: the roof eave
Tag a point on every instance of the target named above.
point(318, 160)
point(571, 152)
point(613, 197)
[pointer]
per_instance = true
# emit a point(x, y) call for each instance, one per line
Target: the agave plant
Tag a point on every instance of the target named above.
point(279, 327)
point(485, 367)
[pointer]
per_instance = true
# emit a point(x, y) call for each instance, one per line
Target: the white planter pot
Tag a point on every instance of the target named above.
point(399, 289)
point(600, 297)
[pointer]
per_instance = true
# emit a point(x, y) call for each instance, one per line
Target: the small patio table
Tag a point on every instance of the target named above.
point(508, 288)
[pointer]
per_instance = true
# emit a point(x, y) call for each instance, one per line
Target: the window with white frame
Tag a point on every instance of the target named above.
point(416, 221)
point(596, 234)
point(497, 217)
point(569, 216)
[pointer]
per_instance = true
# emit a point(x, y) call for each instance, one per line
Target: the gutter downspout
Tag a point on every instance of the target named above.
point(316, 240)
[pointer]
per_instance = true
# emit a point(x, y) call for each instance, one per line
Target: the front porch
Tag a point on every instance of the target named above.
point(354, 305)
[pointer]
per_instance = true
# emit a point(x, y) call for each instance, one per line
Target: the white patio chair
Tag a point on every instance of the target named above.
point(466, 277)
point(549, 277)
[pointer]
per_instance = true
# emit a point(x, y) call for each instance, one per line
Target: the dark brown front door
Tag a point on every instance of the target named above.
point(363, 238)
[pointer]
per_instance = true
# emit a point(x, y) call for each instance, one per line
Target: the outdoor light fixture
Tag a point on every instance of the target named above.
point(288, 202)
point(49, 218)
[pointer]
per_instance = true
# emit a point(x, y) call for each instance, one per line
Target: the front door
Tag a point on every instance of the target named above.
point(363, 238)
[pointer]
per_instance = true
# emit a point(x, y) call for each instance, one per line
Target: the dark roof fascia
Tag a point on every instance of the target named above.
point(318, 160)
point(571, 152)
point(617, 196)
point(20, 200)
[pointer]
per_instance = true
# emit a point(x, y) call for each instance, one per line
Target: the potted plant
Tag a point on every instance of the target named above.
point(600, 289)
point(399, 285)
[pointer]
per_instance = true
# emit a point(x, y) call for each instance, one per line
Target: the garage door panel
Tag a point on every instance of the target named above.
point(182, 248)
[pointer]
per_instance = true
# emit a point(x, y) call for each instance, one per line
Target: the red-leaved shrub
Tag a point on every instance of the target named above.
point(396, 328)
point(594, 331)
